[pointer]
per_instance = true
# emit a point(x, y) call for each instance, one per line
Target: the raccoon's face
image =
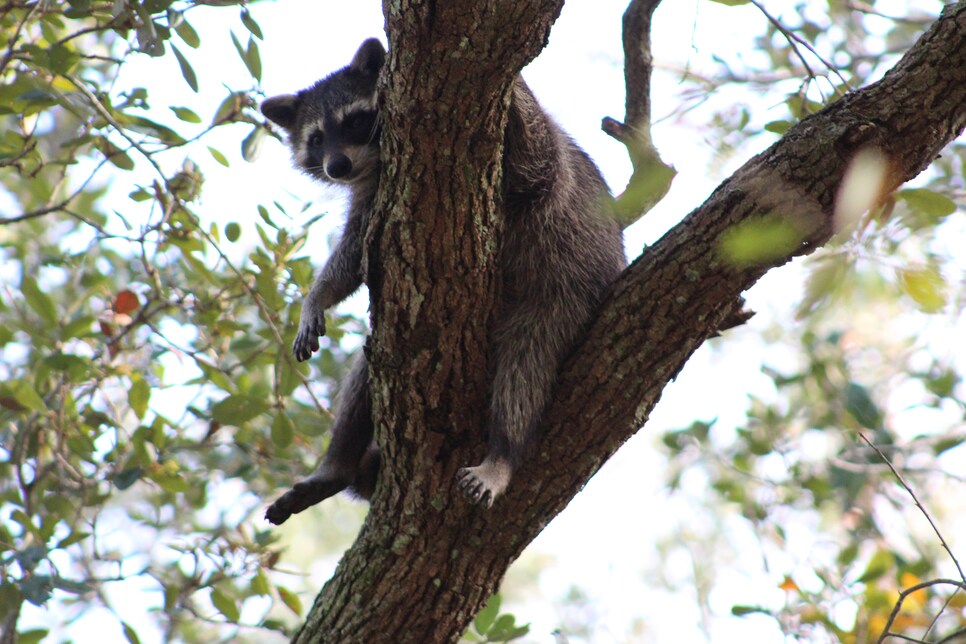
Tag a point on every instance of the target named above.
point(333, 126)
point(339, 144)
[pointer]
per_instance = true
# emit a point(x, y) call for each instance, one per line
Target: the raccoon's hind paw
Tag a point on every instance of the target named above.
point(303, 494)
point(488, 480)
point(311, 328)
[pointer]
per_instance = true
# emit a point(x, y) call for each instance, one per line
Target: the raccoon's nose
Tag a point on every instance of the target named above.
point(338, 166)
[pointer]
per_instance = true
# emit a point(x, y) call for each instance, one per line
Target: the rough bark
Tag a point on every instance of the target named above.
point(425, 560)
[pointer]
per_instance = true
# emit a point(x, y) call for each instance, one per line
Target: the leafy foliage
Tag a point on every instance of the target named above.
point(145, 369)
point(861, 436)
point(492, 626)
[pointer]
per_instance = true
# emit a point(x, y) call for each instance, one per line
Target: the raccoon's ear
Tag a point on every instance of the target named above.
point(281, 110)
point(369, 58)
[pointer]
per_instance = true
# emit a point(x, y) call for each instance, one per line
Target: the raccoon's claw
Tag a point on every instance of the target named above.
point(303, 494)
point(474, 488)
point(483, 483)
point(307, 341)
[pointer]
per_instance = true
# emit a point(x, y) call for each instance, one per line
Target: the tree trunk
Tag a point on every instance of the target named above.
point(425, 560)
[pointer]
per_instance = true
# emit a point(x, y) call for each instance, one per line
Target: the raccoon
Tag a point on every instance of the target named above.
point(561, 249)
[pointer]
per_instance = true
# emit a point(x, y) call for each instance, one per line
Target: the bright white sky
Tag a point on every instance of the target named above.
point(603, 544)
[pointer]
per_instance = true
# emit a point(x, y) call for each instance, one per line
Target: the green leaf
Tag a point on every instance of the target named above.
point(114, 154)
point(925, 286)
point(186, 71)
point(252, 144)
point(740, 610)
point(260, 585)
point(290, 599)
point(505, 629)
point(927, 202)
point(513, 633)
point(39, 301)
point(238, 409)
point(881, 562)
point(942, 382)
point(823, 283)
point(170, 482)
point(186, 115)
point(777, 127)
point(171, 593)
point(163, 132)
point(126, 478)
point(485, 618)
point(947, 444)
point(37, 589)
point(250, 24)
point(36, 99)
point(232, 231)
point(25, 394)
point(283, 430)
point(32, 636)
point(158, 437)
point(249, 56)
point(138, 395)
point(76, 367)
point(859, 403)
point(218, 156)
point(58, 507)
point(263, 213)
point(62, 58)
point(253, 60)
point(130, 634)
point(759, 241)
point(29, 557)
point(188, 34)
point(225, 605)
point(72, 538)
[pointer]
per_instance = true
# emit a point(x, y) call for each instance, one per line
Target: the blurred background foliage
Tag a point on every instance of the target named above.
point(149, 402)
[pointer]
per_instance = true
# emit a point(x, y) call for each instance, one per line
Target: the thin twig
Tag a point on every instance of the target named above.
point(902, 597)
point(866, 8)
point(61, 206)
point(939, 613)
point(14, 38)
point(919, 505)
point(793, 38)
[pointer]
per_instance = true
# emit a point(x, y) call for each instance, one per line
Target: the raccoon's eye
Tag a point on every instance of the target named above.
point(358, 122)
point(315, 141)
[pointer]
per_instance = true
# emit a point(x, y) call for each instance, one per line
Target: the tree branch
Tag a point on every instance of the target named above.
point(426, 561)
point(651, 178)
point(672, 298)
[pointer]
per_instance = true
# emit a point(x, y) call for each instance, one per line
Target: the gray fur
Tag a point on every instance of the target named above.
point(561, 249)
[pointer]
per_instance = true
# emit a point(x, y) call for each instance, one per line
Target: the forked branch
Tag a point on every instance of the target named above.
point(651, 178)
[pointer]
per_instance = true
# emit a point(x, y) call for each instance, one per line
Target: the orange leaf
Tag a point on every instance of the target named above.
point(126, 302)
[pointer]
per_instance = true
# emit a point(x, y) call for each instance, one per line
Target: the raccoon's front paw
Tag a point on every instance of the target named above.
point(303, 494)
point(311, 328)
point(483, 483)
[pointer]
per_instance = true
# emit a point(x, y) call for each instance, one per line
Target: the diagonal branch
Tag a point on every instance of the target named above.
point(672, 298)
